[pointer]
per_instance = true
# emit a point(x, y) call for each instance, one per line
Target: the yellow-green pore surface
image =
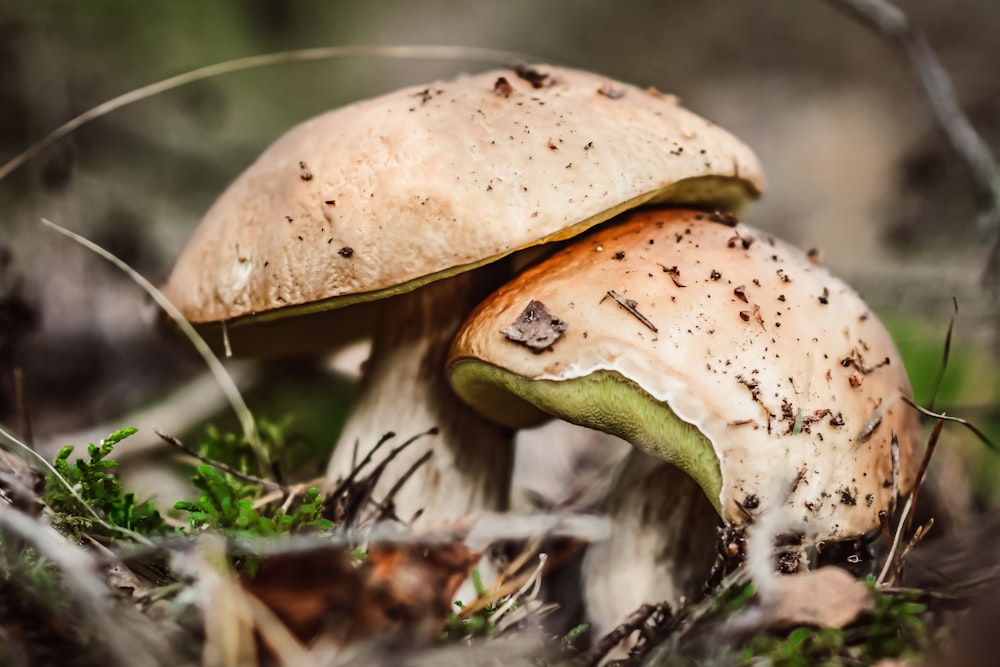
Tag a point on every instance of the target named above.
point(711, 192)
point(792, 382)
point(319, 325)
point(603, 400)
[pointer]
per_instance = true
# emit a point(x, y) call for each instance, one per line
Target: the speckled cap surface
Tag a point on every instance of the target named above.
point(785, 387)
point(387, 194)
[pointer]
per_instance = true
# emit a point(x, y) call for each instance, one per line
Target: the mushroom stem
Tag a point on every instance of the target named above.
point(404, 390)
point(662, 546)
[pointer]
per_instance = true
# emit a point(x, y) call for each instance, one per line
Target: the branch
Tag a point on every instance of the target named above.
point(892, 24)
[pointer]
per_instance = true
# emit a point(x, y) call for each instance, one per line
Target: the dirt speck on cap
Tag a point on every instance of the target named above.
point(725, 218)
point(534, 77)
point(502, 87)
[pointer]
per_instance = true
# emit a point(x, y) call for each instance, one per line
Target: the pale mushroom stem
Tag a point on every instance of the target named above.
point(404, 390)
point(664, 538)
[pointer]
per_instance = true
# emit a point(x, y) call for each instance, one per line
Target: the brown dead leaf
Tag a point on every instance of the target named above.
point(535, 328)
point(312, 592)
point(828, 597)
point(398, 589)
point(410, 587)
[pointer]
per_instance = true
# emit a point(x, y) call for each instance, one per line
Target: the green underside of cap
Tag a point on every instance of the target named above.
point(603, 400)
point(724, 193)
point(282, 331)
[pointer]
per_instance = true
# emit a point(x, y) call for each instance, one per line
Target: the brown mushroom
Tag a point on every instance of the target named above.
point(393, 200)
point(717, 349)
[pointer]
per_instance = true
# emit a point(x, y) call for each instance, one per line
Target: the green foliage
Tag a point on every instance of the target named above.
point(34, 604)
point(735, 598)
point(226, 504)
point(894, 629)
point(569, 639)
point(897, 627)
point(96, 484)
point(802, 647)
point(481, 623)
point(233, 449)
point(294, 453)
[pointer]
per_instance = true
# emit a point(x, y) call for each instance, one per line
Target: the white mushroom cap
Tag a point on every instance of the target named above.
point(727, 353)
point(411, 190)
point(385, 195)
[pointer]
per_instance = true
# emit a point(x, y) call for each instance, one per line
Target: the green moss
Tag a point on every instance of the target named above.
point(97, 485)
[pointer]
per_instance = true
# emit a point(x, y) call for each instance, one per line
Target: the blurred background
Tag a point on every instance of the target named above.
point(856, 169)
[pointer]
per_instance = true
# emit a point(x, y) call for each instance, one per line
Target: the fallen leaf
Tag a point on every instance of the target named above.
point(398, 589)
point(828, 598)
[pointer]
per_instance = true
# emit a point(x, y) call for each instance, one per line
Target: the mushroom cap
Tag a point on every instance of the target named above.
point(766, 379)
point(382, 196)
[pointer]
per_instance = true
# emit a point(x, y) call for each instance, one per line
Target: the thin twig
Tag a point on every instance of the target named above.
point(222, 376)
point(355, 470)
point(21, 404)
point(356, 495)
point(376, 474)
point(630, 306)
point(946, 354)
point(634, 622)
point(125, 642)
point(985, 439)
point(922, 472)
point(900, 528)
point(219, 465)
point(892, 24)
point(387, 504)
point(404, 52)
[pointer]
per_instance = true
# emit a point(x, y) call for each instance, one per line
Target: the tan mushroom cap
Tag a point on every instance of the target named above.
point(387, 194)
point(764, 378)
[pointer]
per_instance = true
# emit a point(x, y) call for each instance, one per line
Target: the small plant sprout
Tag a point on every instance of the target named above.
point(99, 490)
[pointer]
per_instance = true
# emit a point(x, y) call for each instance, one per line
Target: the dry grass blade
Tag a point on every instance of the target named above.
point(219, 465)
point(352, 496)
point(985, 439)
point(21, 407)
point(426, 52)
point(894, 560)
point(532, 582)
point(891, 23)
point(218, 370)
point(123, 641)
point(347, 482)
point(11, 440)
point(388, 506)
point(608, 642)
point(945, 356)
point(287, 650)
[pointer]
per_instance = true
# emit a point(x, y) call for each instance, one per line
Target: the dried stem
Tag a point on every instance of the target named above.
point(219, 465)
point(121, 637)
point(635, 621)
point(21, 404)
point(892, 24)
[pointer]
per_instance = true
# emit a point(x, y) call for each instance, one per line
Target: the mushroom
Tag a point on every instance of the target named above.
point(393, 202)
point(721, 351)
